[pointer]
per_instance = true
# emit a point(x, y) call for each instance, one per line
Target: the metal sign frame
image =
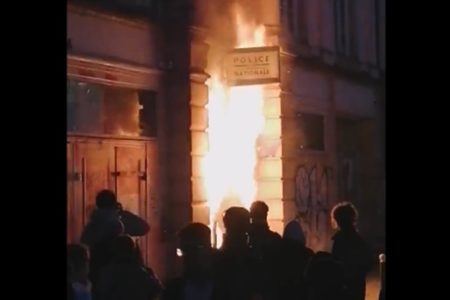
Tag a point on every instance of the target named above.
point(253, 81)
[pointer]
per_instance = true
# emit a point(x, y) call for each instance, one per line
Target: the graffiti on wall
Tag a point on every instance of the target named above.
point(313, 199)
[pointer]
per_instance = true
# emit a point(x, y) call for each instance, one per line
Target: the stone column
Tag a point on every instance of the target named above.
point(269, 169)
point(198, 98)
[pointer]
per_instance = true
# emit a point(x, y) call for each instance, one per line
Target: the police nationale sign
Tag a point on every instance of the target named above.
point(247, 66)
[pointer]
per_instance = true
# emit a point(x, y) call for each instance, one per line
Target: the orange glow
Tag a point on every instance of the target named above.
point(122, 132)
point(236, 119)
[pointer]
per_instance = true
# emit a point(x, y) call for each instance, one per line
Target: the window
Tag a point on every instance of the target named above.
point(294, 19)
point(343, 26)
point(302, 22)
point(84, 108)
point(311, 128)
point(147, 113)
point(339, 25)
point(97, 109)
point(378, 31)
point(290, 15)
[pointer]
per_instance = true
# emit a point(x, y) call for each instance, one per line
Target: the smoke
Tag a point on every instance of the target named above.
point(220, 16)
point(121, 112)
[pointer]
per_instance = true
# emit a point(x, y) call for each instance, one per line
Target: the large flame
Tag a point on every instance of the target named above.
point(236, 119)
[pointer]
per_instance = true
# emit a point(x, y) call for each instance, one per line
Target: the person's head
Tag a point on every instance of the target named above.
point(293, 231)
point(106, 199)
point(344, 215)
point(77, 261)
point(258, 212)
point(195, 244)
point(123, 249)
point(236, 220)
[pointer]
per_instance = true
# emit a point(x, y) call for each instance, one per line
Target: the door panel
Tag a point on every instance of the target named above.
point(131, 183)
point(94, 163)
point(130, 171)
point(71, 220)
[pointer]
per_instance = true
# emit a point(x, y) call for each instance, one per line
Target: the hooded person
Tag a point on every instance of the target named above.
point(103, 226)
point(107, 222)
point(294, 232)
point(294, 260)
point(109, 219)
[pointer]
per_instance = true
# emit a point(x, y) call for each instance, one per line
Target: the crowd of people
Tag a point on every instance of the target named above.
point(252, 263)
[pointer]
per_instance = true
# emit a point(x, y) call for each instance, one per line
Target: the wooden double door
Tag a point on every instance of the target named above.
point(93, 164)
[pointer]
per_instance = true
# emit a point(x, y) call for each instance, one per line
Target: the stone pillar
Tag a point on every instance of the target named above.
point(270, 169)
point(177, 205)
point(289, 164)
point(198, 98)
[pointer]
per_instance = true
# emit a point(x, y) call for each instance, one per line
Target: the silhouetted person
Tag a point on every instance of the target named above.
point(79, 286)
point(265, 248)
point(197, 281)
point(325, 278)
point(105, 224)
point(108, 221)
point(105, 220)
point(133, 225)
point(125, 278)
point(294, 259)
point(259, 228)
point(259, 233)
point(236, 221)
point(235, 264)
point(351, 249)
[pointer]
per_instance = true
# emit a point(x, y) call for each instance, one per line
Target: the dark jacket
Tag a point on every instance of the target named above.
point(104, 224)
point(181, 288)
point(127, 281)
point(133, 224)
point(265, 247)
point(351, 249)
point(103, 227)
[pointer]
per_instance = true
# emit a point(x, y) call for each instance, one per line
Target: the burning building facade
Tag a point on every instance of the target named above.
point(154, 115)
